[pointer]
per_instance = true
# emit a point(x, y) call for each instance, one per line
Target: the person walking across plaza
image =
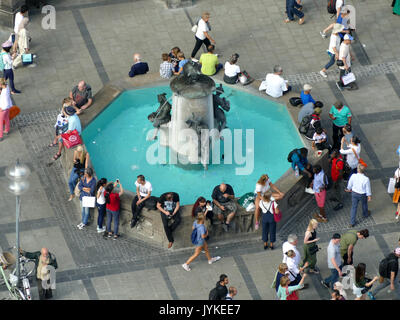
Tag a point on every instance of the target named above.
point(293, 262)
point(200, 243)
point(5, 105)
point(334, 262)
point(310, 247)
point(333, 50)
point(292, 9)
point(286, 291)
point(169, 207)
point(348, 242)
point(389, 275)
point(360, 187)
point(345, 56)
point(42, 258)
point(319, 187)
point(337, 166)
point(113, 206)
point(202, 34)
point(362, 284)
point(396, 195)
point(340, 116)
point(221, 289)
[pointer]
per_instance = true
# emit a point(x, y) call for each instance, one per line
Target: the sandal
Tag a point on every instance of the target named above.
point(52, 145)
point(56, 156)
point(287, 20)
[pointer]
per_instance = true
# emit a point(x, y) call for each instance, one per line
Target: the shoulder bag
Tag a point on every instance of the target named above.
point(277, 213)
point(291, 296)
point(360, 160)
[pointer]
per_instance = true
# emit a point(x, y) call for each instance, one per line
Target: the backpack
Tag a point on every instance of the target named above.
point(305, 124)
point(213, 295)
point(290, 155)
point(331, 6)
point(383, 267)
point(193, 236)
point(1, 61)
point(295, 101)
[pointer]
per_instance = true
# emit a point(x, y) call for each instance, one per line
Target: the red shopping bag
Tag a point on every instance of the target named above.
point(71, 139)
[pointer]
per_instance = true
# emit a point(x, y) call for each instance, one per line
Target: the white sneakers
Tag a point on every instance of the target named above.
point(323, 35)
point(186, 267)
point(100, 230)
point(215, 259)
point(195, 60)
point(81, 226)
point(324, 74)
point(309, 190)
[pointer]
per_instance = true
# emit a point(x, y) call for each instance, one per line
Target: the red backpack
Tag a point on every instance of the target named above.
point(292, 296)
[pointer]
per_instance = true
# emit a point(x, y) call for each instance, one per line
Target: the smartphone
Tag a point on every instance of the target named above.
point(117, 181)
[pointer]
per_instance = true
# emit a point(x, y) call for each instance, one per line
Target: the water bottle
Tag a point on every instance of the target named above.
point(296, 171)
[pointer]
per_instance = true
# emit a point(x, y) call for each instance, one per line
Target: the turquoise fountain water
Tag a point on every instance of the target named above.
point(116, 141)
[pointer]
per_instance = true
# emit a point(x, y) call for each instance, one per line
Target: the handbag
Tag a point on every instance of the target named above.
point(348, 78)
point(314, 249)
point(360, 160)
point(391, 185)
point(71, 139)
point(292, 296)
point(277, 216)
point(88, 202)
point(27, 58)
point(339, 63)
point(194, 28)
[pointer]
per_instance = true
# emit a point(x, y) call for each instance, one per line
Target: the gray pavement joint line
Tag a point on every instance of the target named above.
point(168, 282)
point(90, 46)
point(91, 291)
point(382, 244)
point(248, 280)
point(322, 292)
point(29, 225)
point(360, 51)
point(356, 126)
point(4, 244)
point(394, 82)
point(92, 5)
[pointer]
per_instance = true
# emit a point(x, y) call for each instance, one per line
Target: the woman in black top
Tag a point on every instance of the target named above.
point(310, 240)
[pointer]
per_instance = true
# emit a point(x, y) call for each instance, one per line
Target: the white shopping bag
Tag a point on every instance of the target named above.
point(348, 78)
point(88, 202)
point(392, 182)
point(263, 85)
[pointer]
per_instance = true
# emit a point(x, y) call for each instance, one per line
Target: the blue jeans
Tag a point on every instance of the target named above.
point(73, 180)
point(218, 67)
point(85, 214)
point(291, 8)
point(331, 62)
point(334, 277)
point(268, 227)
point(9, 74)
point(102, 211)
point(110, 216)
point(355, 199)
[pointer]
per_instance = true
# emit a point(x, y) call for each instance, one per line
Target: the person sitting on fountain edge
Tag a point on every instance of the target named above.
point(143, 193)
point(169, 208)
point(224, 205)
point(138, 67)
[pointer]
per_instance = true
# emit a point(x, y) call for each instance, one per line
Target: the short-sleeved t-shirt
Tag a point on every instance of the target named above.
point(349, 238)
point(334, 42)
point(74, 123)
point(231, 70)
point(208, 62)
point(337, 165)
point(317, 138)
point(182, 63)
point(201, 229)
point(344, 52)
point(334, 252)
point(201, 28)
point(219, 196)
point(393, 264)
point(169, 205)
point(340, 115)
point(81, 97)
point(263, 188)
point(114, 204)
point(145, 189)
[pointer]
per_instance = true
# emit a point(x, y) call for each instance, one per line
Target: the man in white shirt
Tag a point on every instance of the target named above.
point(360, 188)
point(274, 85)
point(345, 56)
point(202, 34)
point(143, 193)
point(291, 244)
point(19, 16)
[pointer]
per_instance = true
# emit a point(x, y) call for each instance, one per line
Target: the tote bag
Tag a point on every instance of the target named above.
point(348, 78)
point(88, 202)
point(392, 182)
point(71, 139)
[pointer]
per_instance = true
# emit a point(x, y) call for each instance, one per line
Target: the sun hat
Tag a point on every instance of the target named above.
point(7, 44)
point(397, 251)
point(307, 87)
point(70, 110)
point(337, 27)
point(317, 110)
point(348, 37)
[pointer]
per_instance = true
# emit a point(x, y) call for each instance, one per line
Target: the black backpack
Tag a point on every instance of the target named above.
point(331, 6)
point(295, 101)
point(305, 124)
point(291, 153)
point(383, 267)
point(213, 295)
